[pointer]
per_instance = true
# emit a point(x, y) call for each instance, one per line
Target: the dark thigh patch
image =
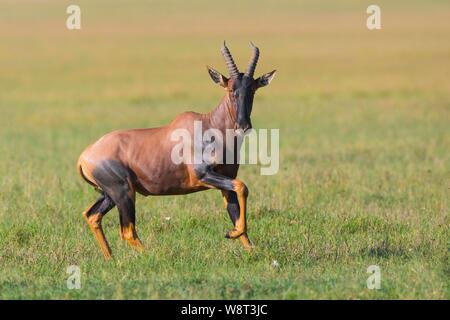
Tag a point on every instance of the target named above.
point(113, 178)
point(217, 180)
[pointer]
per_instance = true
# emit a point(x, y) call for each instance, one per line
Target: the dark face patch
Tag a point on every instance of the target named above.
point(243, 91)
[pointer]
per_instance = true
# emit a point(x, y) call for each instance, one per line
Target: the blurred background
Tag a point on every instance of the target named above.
point(364, 139)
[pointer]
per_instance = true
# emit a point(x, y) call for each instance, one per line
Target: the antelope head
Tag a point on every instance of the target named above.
point(241, 87)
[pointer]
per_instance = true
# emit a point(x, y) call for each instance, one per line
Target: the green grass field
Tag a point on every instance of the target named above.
point(364, 119)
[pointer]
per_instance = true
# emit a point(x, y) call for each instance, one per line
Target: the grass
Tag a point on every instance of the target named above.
point(364, 149)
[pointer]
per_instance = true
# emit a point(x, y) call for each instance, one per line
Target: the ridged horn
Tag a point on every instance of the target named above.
point(232, 69)
point(253, 61)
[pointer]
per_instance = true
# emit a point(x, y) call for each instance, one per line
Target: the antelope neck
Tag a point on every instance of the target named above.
point(224, 115)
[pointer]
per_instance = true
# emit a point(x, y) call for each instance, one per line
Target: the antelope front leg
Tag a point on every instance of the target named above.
point(240, 226)
point(238, 205)
point(232, 205)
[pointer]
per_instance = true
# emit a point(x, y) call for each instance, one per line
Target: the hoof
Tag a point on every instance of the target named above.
point(233, 234)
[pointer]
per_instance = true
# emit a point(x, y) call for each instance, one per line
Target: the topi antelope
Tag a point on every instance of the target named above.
point(124, 162)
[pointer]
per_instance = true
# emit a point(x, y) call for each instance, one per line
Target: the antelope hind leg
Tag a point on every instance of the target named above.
point(126, 206)
point(93, 216)
point(115, 179)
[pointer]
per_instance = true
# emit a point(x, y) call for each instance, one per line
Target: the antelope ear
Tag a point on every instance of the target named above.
point(265, 79)
point(217, 77)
